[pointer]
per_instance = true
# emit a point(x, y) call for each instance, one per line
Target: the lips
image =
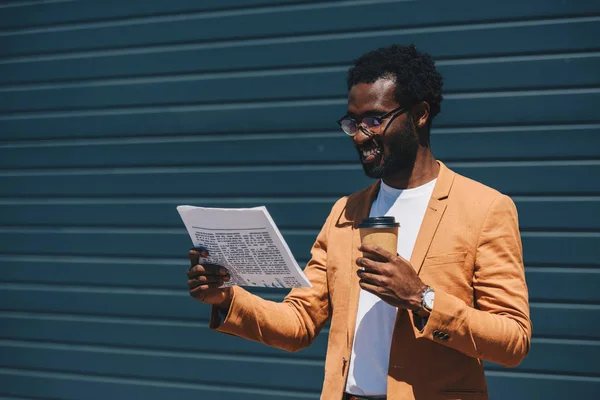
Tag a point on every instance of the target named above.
point(370, 151)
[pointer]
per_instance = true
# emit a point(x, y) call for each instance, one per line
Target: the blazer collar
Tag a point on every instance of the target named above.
point(444, 182)
point(359, 205)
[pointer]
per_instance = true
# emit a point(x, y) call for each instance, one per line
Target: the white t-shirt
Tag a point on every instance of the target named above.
point(375, 319)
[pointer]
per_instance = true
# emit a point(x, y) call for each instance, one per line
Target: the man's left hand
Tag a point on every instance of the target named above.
point(393, 280)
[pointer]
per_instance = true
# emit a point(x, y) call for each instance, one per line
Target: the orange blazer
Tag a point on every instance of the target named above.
point(468, 249)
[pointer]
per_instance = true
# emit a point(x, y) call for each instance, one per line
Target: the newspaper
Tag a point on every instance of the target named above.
point(247, 242)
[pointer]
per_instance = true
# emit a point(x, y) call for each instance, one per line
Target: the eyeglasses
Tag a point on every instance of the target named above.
point(367, 124)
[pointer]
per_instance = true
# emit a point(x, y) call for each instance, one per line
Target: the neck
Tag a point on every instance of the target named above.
point(425, 169)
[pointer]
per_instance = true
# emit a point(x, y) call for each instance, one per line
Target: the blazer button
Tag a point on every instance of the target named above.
point(436, 334)
point(445, 336)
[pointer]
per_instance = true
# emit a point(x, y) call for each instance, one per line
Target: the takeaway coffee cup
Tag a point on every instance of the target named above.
point(382, 231)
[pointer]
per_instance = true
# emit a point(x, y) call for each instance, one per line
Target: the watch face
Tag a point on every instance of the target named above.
point(428, 298)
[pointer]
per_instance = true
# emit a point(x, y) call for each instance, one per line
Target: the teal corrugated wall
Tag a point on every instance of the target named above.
point(114, 112)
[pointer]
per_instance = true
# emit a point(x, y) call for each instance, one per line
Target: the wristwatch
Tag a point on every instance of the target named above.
point(427, 299)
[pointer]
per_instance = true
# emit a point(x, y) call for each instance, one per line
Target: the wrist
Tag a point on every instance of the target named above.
point(416, 302)
point(426, 304)
point(227, 298)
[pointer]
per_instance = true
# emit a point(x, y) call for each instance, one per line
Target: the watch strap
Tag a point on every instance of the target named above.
point(424, 305)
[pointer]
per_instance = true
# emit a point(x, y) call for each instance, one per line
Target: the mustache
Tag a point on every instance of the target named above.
point(374, 140)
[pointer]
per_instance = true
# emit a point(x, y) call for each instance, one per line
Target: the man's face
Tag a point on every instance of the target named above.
point(393, 147)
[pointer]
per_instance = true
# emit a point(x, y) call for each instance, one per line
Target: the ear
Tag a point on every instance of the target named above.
point(421, 114)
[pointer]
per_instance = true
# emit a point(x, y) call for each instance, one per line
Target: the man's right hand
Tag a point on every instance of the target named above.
point(204, 281)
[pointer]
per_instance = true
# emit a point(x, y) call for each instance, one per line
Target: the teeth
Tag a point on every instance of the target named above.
point(367, 153)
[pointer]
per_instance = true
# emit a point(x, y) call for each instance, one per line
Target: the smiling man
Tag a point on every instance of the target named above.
point(419, 324)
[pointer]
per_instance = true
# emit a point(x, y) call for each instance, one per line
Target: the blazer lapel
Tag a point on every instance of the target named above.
point(360, 211)
point(433, 216)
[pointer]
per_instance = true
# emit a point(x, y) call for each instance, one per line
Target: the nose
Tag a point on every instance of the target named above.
point(362, 136)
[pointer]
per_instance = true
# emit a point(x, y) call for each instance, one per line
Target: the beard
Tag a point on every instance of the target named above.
point(401, 147)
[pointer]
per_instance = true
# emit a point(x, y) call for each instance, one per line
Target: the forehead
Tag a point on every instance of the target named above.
point(376, 96)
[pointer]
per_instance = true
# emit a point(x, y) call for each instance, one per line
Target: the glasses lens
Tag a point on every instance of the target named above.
point(371, 123)
point(349, 126)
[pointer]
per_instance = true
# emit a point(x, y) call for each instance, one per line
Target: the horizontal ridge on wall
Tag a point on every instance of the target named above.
point(477, 68)
point(269, 27)
point(17, 18)
point(275, 103)
point(517, 143)
point(566, 107)
point(558, 284)
point(103, 358)
point(536, 213)
point(152, 388)
point(518, 38)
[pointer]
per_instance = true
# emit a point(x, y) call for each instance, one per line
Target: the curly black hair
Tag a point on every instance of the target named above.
point(414, 72)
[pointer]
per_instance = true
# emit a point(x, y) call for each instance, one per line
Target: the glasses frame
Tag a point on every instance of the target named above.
point(366, 131)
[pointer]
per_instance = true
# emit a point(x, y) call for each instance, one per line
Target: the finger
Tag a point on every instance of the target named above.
point(205, 287)
point(374, 249)
point(206, 269)
point(367, 264)
point(198, 294)
point(371, 279)
point(208, 279)
point(197, 252)
point(194, 256)
point(370, 288)
point(203, 251)
point(205, 279)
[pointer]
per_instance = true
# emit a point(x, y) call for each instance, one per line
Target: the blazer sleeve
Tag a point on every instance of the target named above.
point(289, 325)
point(498, 329)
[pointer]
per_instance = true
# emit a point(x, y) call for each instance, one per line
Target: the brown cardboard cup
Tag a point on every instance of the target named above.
point(382, 231)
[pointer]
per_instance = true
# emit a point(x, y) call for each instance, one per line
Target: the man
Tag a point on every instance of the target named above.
point(420, 324)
